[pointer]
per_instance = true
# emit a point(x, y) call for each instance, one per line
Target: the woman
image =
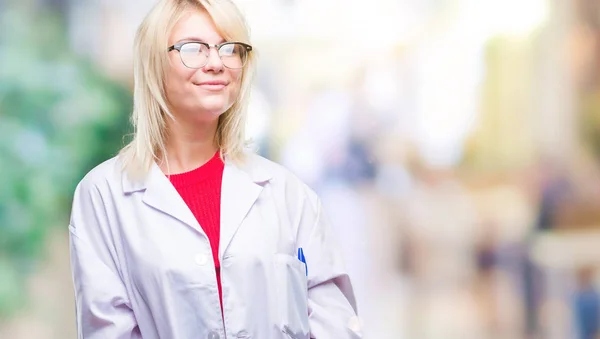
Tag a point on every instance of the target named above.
point(185, 234)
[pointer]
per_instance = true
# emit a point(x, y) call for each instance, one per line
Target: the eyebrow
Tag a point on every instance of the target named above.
point(191, 38)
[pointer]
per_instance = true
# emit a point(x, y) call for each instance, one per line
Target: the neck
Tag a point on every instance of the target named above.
point(189, 147)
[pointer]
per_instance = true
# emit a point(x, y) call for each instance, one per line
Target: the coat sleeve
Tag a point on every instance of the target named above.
point(331, 302)
point(103, 309)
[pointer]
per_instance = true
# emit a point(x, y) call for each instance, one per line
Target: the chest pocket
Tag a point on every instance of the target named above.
point(291, 296)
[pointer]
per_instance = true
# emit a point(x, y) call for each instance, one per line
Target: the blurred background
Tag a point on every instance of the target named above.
point(455, 144)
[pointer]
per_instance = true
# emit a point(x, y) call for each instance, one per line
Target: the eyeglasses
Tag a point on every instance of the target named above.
point(194, 54)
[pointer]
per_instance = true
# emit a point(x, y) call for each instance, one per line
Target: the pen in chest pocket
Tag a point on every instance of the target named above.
point(303, 259)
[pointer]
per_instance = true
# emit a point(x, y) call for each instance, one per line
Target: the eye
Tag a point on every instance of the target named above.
point(192, 48)
point(229, 50)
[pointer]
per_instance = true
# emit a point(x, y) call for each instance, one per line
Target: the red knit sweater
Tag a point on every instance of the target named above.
point(201, 190)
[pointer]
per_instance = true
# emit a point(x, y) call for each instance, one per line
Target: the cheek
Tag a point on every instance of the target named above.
point(236, 82)
point(178, 80)
point(236, 76)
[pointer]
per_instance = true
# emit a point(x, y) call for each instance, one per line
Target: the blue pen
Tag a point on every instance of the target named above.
point(302, 258)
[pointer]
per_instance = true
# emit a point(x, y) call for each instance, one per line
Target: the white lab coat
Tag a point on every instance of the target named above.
point(143, 268)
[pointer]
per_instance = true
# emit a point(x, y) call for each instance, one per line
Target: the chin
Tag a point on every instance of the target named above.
point(214, 107)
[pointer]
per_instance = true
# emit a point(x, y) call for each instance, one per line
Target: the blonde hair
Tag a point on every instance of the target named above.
point(150, 64)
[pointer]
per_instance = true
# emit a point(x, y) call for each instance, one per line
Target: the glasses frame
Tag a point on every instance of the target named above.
point(177, 47)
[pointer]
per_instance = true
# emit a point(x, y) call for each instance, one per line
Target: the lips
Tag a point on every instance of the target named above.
point(212, 85)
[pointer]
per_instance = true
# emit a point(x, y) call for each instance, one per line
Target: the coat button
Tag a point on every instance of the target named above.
point(213, 335)
point(201, 259)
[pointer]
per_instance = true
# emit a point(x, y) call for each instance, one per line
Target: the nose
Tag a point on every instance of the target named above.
point(214, 63)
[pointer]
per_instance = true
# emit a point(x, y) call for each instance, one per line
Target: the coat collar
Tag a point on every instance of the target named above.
point(241, 186)
point(254, 170)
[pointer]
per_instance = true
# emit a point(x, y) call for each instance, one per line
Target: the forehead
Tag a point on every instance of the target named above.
point(195, 25)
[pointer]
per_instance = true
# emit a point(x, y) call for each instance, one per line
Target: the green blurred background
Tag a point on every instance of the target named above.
point(60, 116)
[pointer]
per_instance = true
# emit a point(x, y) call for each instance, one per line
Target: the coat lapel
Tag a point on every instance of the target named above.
point(240, 189)
point(238, 194)
point(162, 195)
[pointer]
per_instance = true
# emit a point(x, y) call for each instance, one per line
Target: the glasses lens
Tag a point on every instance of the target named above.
point(193, 54)
point(233, 55)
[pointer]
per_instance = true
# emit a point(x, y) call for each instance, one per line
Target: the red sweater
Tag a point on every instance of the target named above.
point(201, 190)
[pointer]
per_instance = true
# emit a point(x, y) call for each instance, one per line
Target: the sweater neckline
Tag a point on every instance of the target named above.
point(212, 168)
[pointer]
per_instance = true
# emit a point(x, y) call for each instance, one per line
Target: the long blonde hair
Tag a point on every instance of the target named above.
point(150, 64)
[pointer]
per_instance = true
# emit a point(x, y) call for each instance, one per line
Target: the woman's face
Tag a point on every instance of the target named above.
point(202, 94)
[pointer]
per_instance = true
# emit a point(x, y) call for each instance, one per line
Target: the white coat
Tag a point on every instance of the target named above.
point(142, 266)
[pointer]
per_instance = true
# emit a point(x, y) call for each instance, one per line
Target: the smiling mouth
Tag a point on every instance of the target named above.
point(212, 86)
